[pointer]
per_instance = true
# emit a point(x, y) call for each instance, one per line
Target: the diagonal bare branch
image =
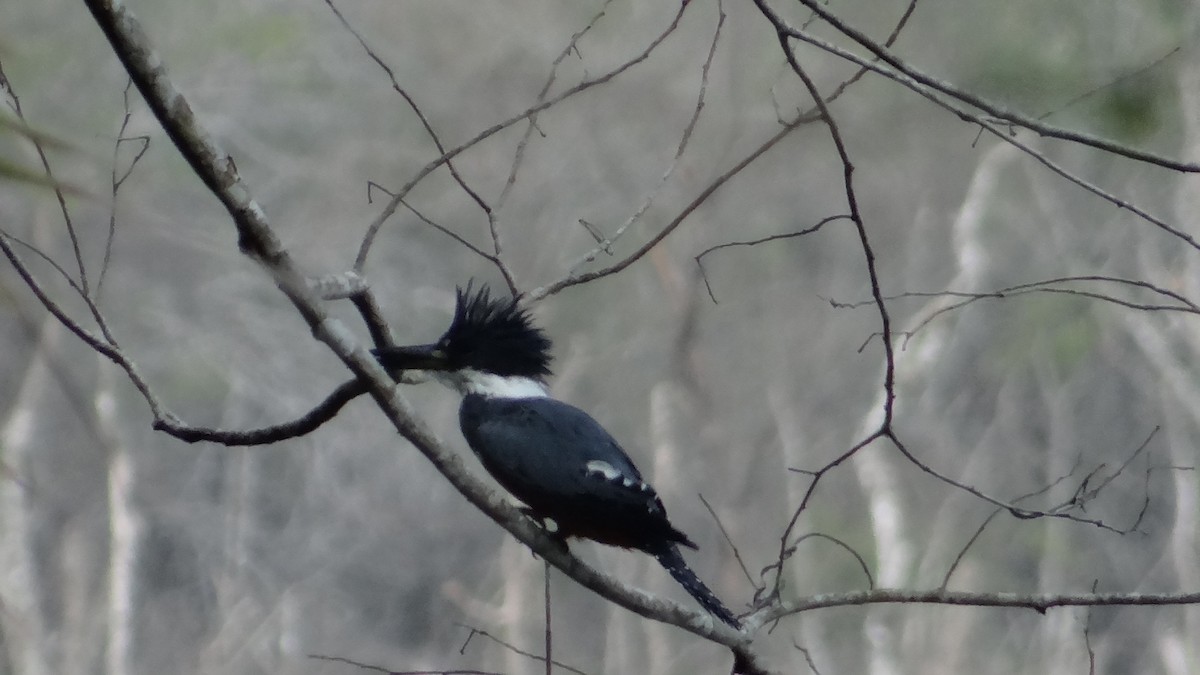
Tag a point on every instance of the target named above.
point(1000, 131)
point(992, 109)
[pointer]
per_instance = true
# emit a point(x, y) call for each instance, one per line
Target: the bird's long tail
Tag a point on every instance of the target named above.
point(671, 559)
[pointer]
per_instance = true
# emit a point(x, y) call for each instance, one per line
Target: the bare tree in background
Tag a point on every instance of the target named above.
point(905, 293)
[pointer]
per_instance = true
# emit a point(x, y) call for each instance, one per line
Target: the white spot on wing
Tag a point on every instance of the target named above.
point(608, 472)
point(604, 470)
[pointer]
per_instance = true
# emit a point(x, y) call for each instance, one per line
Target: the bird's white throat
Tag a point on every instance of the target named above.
point(469, 381)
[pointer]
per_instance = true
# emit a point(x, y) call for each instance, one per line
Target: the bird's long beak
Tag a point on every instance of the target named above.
point(412, 357)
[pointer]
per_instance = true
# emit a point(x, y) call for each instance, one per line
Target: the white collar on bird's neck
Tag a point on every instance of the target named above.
point(470, 381)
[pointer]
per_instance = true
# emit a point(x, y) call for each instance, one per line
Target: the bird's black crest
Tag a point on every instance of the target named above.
point(495, 335)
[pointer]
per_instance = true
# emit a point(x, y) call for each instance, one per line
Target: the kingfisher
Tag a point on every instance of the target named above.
point(552, 456)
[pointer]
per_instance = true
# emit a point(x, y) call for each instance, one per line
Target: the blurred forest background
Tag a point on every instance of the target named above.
point(123, 550)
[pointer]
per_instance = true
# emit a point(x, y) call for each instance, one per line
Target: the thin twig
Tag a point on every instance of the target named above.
point(373, 229)
point(522, 145)
point(380, 669)
point(1063, 511)
point(1086, 492)
point(862, 563)
point(811, 115)
point(510, 647)
point(962, 553)
point(755, 242)
point(862, 70)
point(1187, 304)
point(1035, 287)
point(737, 555)
point(372, 185)
point(1087, 637)
point(1111, 83)
point(81, 287)
point(605, 245)
point(117, 181)
point(549, 633)
point(487, 209)
point(785, 539)
point(15, 104)
point(412, 104)
point(807, 657)
point(708, 191)
point(519, 153)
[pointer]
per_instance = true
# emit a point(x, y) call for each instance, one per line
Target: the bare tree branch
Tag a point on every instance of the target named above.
point(1038, 602)
point(737, 554)
point(992, 109)
point(390, 208)
point(381, 669)
point(785, 547)
point(1112, 83)
point(808, 660)
point(513, 648)
point(962, 553)
point(996, 130)
point(718, 183)
point(325, 411)
point(755, 242)
point(412, 104)
point(497, 259)
point(872, 274)
point(605, 244)
point(493, 259)
point(15, 104)
point(1066, 510)
point(531, 126)
point(118, 179)
point(549, 633)
point(889, 377)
